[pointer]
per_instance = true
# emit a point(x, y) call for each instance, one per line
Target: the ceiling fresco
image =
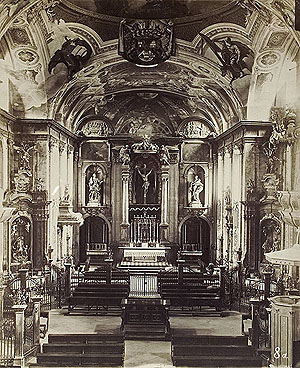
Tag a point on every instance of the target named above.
point(75, 69)
point(152, 8)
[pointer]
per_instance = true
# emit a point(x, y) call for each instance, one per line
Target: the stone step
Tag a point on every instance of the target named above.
point(181, 339)
point(217, 361)
point(224, 350)
point(101, 347)
point(85, 338)
point(56, 359)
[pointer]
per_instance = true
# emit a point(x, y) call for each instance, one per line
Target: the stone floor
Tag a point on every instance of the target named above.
point(144, 354)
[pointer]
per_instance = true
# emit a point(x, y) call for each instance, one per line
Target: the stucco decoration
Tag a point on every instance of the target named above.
point(20, 243)
point(95, 128)
point(195, 129)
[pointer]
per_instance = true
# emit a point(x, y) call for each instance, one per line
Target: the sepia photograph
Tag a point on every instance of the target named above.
point(149, 183)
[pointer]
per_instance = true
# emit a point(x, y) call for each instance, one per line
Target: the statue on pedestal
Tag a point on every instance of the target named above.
point(125, 155)
point(195, 188)
point(95, 189)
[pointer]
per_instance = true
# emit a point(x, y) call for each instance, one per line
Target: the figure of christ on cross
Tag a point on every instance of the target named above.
point(146, 183)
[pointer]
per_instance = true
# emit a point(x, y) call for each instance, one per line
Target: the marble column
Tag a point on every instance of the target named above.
point(236, 198)
point(164, 203)
point(220, 180)
point(70, 176)
point(164, 195)
point(125, 226)
point(228, 186)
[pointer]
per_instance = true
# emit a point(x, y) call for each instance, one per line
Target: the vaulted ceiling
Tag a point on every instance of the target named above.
point(189, 84)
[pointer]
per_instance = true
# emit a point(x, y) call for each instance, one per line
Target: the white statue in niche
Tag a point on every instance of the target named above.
point(95, 189)
point(195, 189)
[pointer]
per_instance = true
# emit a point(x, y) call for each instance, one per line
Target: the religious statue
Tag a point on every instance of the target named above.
point(196, 187)
point(146, 183)
point(20, 250)
point(125, 155)
point(95, 189)
point(164, 155)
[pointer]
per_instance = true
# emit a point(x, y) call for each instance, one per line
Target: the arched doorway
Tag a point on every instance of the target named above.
point(195, 237)
point(93, 238)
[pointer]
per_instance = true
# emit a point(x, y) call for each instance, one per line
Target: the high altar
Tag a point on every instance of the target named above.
point(146, 228)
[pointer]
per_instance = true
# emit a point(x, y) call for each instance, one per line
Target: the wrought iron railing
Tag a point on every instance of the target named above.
point(7, 339)
point(143, 284)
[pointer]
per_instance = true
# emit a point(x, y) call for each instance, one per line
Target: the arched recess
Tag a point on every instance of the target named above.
point(21, 252)
point(195, 236)
point(270, 237)
point(196, 184)
point(94, 185)
point(94, 238)
point(145, 180)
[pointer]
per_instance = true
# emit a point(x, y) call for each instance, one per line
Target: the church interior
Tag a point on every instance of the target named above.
point(149, 183)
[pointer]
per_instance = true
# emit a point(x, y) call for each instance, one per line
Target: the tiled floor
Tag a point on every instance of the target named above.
point(144, 354)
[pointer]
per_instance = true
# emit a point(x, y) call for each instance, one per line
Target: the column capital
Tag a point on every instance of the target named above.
point(19, 308)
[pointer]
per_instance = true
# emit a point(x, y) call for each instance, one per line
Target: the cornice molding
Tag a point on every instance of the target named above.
point(50, 124)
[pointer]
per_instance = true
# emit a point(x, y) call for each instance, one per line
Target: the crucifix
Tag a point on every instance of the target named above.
point(146, 183)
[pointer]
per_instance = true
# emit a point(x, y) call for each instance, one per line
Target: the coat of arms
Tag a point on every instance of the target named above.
point(146, 42)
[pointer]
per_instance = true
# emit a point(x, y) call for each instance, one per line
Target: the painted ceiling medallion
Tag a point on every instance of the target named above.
point(146, 42)
point(27, 56)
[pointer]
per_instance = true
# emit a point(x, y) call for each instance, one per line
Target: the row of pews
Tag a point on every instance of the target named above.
point(99, 291)
point(191, 289)
point(181, 288)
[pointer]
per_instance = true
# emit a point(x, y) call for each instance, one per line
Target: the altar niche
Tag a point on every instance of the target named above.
point(145, 181)
point(93, 237)
point(195, 237)
point(196, 187)
point(94, 185)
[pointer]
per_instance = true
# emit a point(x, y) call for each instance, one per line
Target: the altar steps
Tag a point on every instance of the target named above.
point(213, 351)
point(140, 266)
point(84, 350)
point(146, 332)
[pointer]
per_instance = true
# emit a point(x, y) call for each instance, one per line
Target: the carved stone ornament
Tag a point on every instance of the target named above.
point(22, 181)
point(145, 146)
point(195, 129)
point(284, 131)
point(165, 155)
point(20, 235)
point(124, 155)
point(146, 42)
point(270, 185)
point(95, 128)
point(39, 184)
point(24, 151)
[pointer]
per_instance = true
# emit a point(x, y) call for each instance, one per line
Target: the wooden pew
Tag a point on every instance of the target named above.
point(97, 295)
point(194, 289)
